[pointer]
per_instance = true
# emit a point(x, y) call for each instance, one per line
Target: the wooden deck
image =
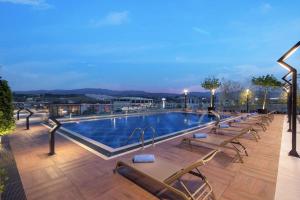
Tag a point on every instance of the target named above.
point(75, 173)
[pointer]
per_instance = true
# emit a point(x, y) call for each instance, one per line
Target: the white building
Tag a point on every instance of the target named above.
point(131, 103)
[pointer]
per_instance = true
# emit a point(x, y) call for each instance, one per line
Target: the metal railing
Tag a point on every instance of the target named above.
point(142, 135)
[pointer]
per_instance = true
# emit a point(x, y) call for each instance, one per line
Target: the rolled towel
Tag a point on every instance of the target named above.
point(200, 135)
point(243, 118)
point(224, 126)
point(237, 120)
point(143, 158)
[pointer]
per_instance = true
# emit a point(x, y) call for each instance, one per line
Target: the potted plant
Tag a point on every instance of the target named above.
point(265, 83)
point(211, 84)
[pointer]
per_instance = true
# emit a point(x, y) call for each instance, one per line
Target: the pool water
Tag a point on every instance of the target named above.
point(115, 132)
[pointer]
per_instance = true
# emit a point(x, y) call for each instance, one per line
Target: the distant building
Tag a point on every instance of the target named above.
point(131, 103)
point(193, 102)
point(122, 104)
point(100, 97)
point(62, 110)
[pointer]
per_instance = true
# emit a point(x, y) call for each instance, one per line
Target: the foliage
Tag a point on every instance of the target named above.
point(3, 179)
point(229, 93)
point(7, 122)
point(266, 83)
point(211, 83)
point(243, 96)
point(283, 97)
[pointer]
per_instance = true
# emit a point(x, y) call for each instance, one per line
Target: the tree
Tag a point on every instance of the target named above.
point(211, 84)
point(266, 83)
point(244, 95)
point(229, 93)
point(283, 98)
point(7, 122)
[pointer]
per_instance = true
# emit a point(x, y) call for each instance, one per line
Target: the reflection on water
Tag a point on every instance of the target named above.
point(114, 132)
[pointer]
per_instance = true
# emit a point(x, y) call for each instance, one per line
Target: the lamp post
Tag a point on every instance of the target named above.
point(293, 90)
point(27, 117)
point(287, 88)
point(52, 132)
point(212, 101)
point(247, 96)
point(185, 91)
point(163, 103)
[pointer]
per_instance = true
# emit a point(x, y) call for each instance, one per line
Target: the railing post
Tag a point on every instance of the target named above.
point(289, 111)
point(52, 135)
point(27, 118)
point(288, 89)
point(18, 112)
point(293, 152)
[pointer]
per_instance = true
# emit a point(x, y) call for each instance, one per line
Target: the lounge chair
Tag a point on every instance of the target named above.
point(222, 142)
point(167, 174)
point(262, 120)
point(269, 117)
point(232, 130)
point(255, 123)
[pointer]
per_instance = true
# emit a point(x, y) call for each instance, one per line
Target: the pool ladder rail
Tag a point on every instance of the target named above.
point(141, 131)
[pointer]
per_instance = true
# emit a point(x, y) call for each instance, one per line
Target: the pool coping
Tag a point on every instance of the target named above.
point(107, 152)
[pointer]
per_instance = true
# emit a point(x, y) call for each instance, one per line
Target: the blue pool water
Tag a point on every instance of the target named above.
point(115, 132)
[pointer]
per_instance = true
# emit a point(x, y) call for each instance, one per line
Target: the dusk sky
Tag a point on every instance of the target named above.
point(157, 45)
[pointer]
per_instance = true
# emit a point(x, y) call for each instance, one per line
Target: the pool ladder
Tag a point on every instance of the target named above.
point(142, 135)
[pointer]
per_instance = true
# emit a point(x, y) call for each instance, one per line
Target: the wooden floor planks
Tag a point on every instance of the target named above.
point(75, 173)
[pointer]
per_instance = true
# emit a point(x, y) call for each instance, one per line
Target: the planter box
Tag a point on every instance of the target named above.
point(262, 111)
point(211, 108)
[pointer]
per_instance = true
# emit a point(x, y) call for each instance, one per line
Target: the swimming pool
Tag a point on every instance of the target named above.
point(111, 136)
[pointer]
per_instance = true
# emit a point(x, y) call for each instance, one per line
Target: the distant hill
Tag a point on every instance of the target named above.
point(115, 93)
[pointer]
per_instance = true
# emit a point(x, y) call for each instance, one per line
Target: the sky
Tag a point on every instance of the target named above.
point(156, 46)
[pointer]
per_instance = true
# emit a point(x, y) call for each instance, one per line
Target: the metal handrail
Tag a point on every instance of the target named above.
point(154, 133)
point(142, 134)
point(133, 132)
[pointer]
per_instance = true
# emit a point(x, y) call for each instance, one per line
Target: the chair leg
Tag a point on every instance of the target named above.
point(241, 145)
point(238, 155)
point(254, 136)
point(187, 141)
point(213, 196)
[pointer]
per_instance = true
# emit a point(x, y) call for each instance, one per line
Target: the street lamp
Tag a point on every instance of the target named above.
point(212, 101)
point(247, 96)
point(293, 91)
point(52, 132)
point(163, 103)
point(27, 118)
point(185, 91)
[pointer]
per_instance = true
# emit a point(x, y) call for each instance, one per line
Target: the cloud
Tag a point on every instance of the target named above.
point(112, 19)
point(39, 4)
point(200, 30)
point(245, 72)
point(265, 8)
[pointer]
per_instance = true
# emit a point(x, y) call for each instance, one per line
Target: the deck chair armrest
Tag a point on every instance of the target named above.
point(243, 132)
point(210, 156)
